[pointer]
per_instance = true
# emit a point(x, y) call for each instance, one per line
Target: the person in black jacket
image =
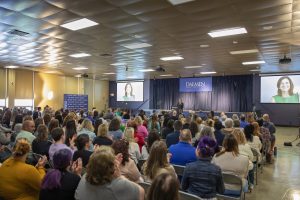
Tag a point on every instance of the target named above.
point(59, 183)
point(41, 145)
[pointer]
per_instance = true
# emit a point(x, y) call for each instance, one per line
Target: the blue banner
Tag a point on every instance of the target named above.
point(202, 84)
point(76, 102)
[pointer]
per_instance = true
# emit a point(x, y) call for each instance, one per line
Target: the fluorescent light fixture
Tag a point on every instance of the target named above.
point(131, 77)
point(137, 45)
point(166, 75)
point(192, 67)
point(80, 68)
point(171, 58)
point(254, 62)
point(208, 72)
point(40, 61)
point(267, 27)
point(227, 32)
point(11, 67)
point(79, 24)
point(177, 2)
point(78, 76)
point(80, 55)
point(244, 51)
point(109, 73)
point(254, 70)
point(118, 64)
point(204, 45)
point(146, 70)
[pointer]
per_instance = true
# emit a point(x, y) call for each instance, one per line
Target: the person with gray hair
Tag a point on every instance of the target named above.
point(228, 126)
point(235, 116)
point(183, 152)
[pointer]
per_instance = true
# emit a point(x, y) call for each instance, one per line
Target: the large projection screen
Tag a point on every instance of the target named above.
point(280, 89)
point(130, 91)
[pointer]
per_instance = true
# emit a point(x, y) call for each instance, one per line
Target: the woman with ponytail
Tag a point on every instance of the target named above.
point(59, 183)
point(18, 179)
point(202, 178)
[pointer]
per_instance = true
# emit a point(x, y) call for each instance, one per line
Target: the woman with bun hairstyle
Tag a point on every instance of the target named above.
point(18, 179)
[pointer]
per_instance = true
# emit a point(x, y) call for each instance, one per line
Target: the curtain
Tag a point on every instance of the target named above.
point(229, 94)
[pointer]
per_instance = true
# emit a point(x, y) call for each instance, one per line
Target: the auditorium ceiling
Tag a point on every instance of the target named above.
point(132, 36)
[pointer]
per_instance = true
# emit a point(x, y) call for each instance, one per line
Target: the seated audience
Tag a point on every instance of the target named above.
point(87, 128)
point(41, 144)
point(18, 179)
point(58, 136)
point(228, 126)
point(219, 134)
point(140, 140)
point(243, 122)
point(97, 123)
point(103, 138)
point(83, 144)
point(153, 123)
point(103, 179)
point(37, 122)
point(168, 128)
point(206, 131)
point(194, 128)
point(127, 167)
point(152, 137)
point(157, 162)
point(134, 149)
point(114, 129)
point(244, 148)
point(271, 127)
point(27, 131)
point(71, 133)
point(47, 119)
point(59, 183)
point(54, 123)
point(164, 187)
point(231, 161)
point(173, 138)
point(236, 123)
point(141, 129)
point(183, 152)
point(202, 178)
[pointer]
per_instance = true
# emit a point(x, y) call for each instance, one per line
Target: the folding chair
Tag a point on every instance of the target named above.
point(256, 163)
point(179, 170)
point(232, 180)
point(187, 196)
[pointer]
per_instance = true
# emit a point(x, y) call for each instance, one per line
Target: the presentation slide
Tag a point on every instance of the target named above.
point(130, 91)
point(280, 89)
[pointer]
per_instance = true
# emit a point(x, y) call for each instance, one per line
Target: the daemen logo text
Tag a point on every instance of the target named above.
point(194, 84)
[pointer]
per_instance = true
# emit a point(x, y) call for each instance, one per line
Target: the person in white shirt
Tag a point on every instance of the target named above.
point(231, 161)
point(134, 149)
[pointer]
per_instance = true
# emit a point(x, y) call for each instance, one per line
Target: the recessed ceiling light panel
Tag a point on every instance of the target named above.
point(11, 67)
point(254, 62)
point(79, 24)
point(204, 45)
point(109, 73)
point(80, 55)
point(118, 64)
point(227, 32)
point(208, 72)
point(192, 67)
point(171, 58)
point(166, 75)
point(244, 51)
point(146, 70)
point(137, 45)
point(177, 2)
point(80, 68)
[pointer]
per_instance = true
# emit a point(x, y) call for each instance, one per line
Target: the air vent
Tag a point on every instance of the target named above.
point(18, 33)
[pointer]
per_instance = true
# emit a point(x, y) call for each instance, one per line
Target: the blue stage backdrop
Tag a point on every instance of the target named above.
point(76, 102)
point(203, 84)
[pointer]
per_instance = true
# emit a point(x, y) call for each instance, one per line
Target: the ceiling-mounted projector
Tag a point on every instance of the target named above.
point(160, 68)
point(285, 60)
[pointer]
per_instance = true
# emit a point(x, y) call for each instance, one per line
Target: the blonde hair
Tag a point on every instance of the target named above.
point(87, 124)
point(102, 130)
point(21, 148)
point(239, 135)
point(129, 134)
point(138, 120)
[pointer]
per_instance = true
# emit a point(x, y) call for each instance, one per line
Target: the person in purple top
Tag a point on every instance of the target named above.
point(58, 136)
